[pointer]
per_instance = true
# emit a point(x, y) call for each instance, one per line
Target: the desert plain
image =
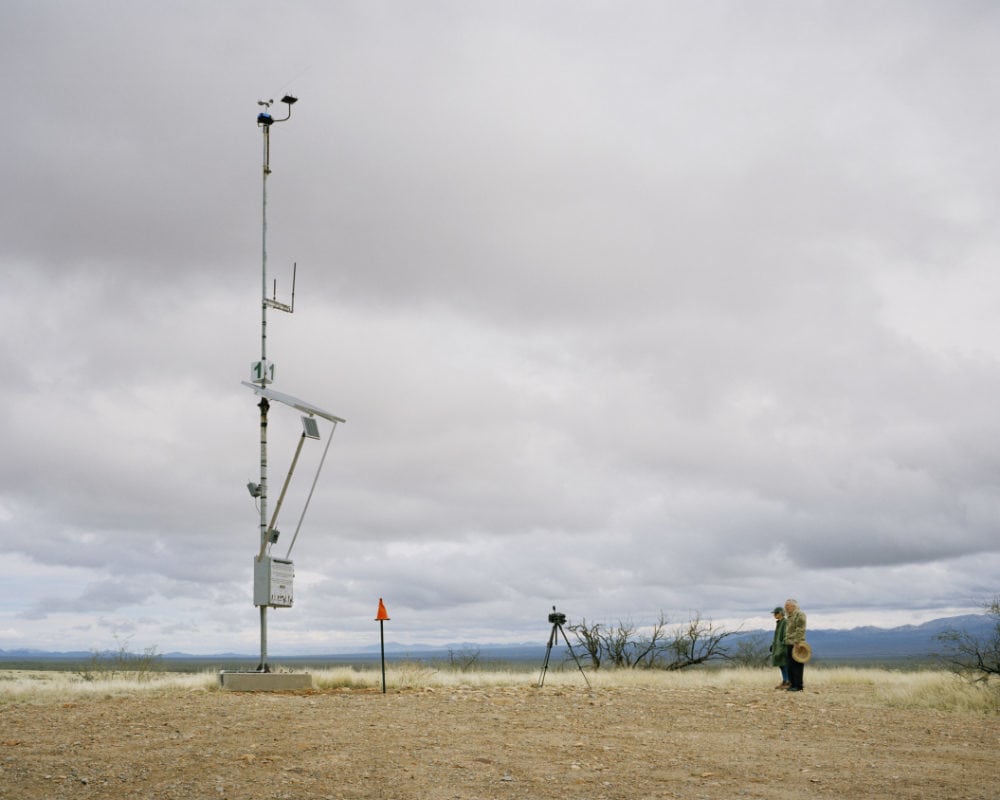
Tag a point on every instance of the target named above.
point(686, 739)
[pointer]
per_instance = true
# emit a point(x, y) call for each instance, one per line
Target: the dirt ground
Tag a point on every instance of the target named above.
point(476, 744)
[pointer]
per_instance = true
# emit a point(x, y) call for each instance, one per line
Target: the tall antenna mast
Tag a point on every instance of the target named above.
point(262, 371)
point(273, 577)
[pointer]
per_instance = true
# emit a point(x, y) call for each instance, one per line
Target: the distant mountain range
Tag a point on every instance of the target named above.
point(907, 641)
point(856, 644)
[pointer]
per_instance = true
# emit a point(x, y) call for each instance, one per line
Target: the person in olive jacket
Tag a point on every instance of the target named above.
point(779, 652)
point(795, 632)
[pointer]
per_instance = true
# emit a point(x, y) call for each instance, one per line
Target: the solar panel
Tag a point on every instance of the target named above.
point(309, 428)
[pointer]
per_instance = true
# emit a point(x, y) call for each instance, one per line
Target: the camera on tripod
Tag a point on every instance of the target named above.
point(558, 619)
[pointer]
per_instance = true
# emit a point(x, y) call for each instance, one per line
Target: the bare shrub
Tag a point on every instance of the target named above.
point(624, 645)
point(590, 639)
point(121, 663)
point(753, 651)
point(463, 659)
point(698, 642)
point(973, 655)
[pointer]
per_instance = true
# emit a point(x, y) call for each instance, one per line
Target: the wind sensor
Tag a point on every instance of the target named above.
point(273, 577)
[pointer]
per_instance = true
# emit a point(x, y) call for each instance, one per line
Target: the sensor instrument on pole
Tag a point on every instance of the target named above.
point(273, 577)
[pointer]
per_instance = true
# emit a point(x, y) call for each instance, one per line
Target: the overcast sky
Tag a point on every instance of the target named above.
point(633, 307)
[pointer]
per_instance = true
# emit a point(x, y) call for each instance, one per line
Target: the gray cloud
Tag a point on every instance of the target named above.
point(678, 308)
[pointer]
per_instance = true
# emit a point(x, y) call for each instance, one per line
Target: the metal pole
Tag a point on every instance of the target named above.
point(264, 405)
point(265, 121)
point(263, 666)
point(263, 342)
point(381, 634)
point(281, 496)
point(263, 244)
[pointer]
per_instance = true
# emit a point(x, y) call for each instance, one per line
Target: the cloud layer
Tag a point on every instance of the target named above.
point(682, 308)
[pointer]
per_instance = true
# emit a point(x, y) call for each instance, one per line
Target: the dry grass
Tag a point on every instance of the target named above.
point(55, 686)
point(943, 691)
point(927, 689)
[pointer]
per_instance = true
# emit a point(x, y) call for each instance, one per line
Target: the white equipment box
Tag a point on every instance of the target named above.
point(272, 582)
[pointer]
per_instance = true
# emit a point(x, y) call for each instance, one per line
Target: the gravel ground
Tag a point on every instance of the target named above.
point(474, 744)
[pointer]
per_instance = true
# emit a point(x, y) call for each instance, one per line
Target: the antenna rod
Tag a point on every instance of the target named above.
point(266, 128)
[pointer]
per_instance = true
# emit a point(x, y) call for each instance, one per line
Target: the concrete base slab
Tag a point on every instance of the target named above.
point(265, 681)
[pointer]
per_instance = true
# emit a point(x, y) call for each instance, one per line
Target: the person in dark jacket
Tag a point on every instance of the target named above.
point(795, 632)
point(779, 653)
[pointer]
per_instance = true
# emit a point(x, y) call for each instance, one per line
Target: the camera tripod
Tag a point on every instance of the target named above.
point(557, 621)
